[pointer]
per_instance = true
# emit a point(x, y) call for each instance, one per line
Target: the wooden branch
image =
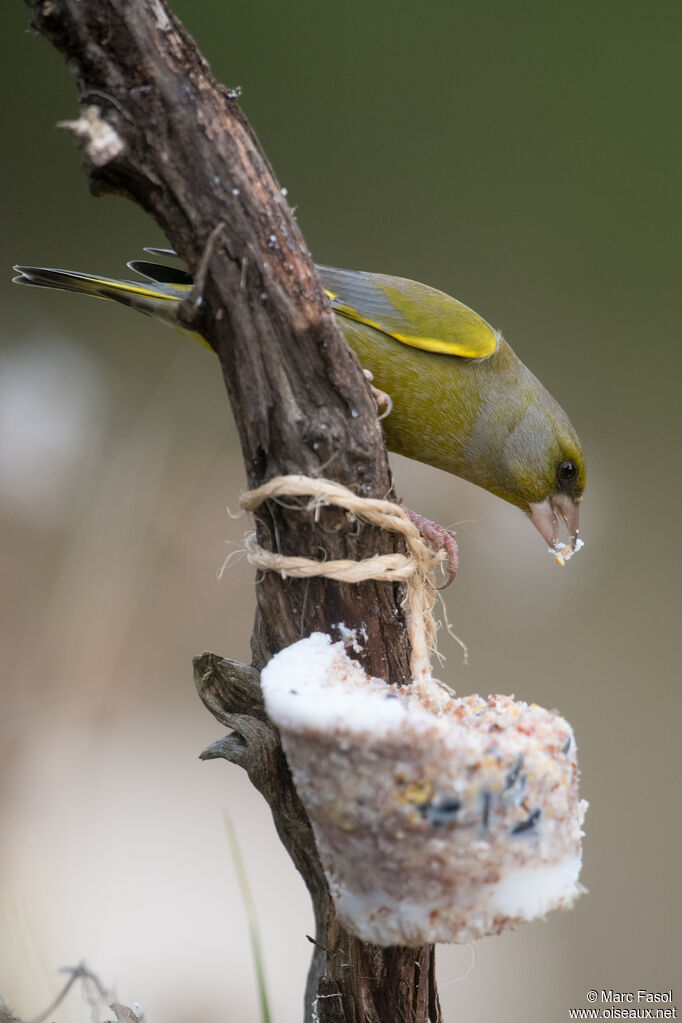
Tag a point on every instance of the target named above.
point(157, 128)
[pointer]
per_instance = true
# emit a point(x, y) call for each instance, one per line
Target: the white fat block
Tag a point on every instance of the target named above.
point(436, 819)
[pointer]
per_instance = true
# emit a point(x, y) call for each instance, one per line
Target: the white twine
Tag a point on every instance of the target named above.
point(416, 568)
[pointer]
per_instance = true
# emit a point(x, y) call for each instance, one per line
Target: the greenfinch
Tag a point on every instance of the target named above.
point(462, 400)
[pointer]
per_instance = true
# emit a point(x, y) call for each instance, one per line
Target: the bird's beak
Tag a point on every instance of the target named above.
point(547, 516)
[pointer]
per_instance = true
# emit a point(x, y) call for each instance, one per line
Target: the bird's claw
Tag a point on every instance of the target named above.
point(441, 539)
point(380, 397)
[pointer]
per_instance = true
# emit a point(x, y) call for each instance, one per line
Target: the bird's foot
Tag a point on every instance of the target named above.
point(440, 538)
point(380, 397)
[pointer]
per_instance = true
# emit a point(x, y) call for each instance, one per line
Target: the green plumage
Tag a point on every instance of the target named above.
point(462, 400)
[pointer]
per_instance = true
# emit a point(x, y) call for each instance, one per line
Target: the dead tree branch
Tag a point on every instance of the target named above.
point(156, 127)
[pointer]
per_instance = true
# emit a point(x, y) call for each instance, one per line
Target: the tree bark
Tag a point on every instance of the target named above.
point(156, 127)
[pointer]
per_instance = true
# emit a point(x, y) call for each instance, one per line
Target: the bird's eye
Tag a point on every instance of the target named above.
point(566, 471)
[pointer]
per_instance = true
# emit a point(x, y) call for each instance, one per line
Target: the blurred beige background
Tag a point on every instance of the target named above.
point(521, 157)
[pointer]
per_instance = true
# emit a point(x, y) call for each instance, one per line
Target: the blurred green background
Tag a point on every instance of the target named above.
point(521, 156)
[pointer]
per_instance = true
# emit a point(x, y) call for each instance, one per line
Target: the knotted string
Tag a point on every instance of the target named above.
point(416, 568)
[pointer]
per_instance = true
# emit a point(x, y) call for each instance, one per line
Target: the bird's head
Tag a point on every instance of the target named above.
point(561, 505)
point(545, 472)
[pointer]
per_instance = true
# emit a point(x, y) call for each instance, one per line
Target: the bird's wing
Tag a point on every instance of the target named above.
point(412, 313)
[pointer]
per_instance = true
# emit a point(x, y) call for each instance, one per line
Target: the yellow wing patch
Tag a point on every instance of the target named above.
point(413, 314)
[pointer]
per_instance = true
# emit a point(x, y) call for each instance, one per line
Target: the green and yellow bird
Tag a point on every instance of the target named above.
point(462, 400)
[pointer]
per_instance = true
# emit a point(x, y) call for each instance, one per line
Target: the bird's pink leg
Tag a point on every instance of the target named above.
point(440, 538)
point(380, 397)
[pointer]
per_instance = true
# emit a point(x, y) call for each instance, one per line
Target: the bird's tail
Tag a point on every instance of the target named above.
point(158, 295)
